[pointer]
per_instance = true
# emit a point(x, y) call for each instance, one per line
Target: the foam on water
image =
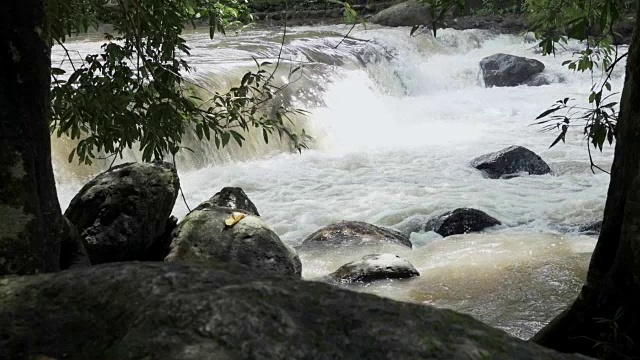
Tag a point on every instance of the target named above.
point(397, 121)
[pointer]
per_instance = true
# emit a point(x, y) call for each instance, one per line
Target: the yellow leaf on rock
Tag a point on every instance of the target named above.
point(234, 218)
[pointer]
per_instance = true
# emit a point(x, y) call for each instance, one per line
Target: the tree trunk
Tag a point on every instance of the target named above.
point(31, 223)
point(604, 321)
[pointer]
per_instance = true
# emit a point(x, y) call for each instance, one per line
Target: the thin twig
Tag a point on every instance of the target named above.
point(184, 199)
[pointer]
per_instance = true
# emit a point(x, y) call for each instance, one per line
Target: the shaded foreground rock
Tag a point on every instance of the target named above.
point(172, 311)
point(203, 237)
point(375, 267)
point(463, 221)
point(121, 212)
point(510, 162)
point(510, 70)
point(354, 233)
point(408, 13)
point(233, 198)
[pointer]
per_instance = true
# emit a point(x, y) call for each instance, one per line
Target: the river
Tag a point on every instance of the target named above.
point(396, 121)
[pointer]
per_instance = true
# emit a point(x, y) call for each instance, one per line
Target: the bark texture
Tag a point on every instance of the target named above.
point(604, 320)
point(31, 223)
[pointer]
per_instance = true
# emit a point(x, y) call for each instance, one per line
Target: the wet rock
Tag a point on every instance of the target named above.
point(122, 211)
point(375, 267)
point(591, 228)
point(203, 237)
point(72, 251)
point(161, 246)
point(415, 224)
point(509, 70)
point(233, 198)
point(463, 221)
point(510, 162)
point(354, 233)
point(171, 311)
point(408, 13)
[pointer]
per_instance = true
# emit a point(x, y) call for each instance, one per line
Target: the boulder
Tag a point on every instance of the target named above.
point(375, 267)
point(121, 212)
point(509, 162)
point(169, 311)
point(463, 221)
point(205, 237)
point(354, 233)
point(509, 70)
point(408, 13)
point(233, 198)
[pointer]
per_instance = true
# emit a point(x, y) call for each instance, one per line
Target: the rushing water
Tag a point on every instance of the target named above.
point(397, 120)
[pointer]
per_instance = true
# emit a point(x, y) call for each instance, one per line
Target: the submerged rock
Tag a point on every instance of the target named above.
point(121, 212)
point(172, 311)
point(510, 162)
point(509, 70)
point(591, 228)
point(207, 235)
point(375, 267)
point(463, 221)
point(408, 13)
point(233, 198)
point(354, 233)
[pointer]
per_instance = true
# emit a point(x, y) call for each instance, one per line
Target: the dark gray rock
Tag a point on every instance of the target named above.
point(592, 228)
point(463, 221)
point(508, 70)
point(161, 246)
point(408, 13)
point(233, 198)
point(72, 251)
point(375, 267)
point(354, 233)
point(166, 311)
point(510, 162)
point(203, 237)
point(122, 211)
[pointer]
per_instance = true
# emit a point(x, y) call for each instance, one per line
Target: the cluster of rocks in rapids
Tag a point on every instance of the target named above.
point(124, 214)
point(220, 284)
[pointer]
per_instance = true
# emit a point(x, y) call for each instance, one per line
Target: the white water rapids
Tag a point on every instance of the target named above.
point(397, 120)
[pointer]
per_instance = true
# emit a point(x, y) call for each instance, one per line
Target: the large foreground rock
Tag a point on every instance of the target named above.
point(354, 233)
point(204, 237)
point(168, 311)
point(510, 162)
point(510, 70)
point(408, 13)
point(463, 221)
point(375, 267)
point(121, 212)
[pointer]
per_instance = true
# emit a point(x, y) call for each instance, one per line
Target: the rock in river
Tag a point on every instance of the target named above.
point(509, 70)
point(354, 233)
point(375, 267)
point(211, 234)
point(510, 162)
point(123, 211)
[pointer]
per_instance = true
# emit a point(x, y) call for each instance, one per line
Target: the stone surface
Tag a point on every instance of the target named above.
point(121, 212)
point(203, 237)
point(509, 70)
point(167, 311)
point(354, 233)
point(233, 198)
point(375, 267)
point(463, 221)
point(408, 13)
point(510, 162)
